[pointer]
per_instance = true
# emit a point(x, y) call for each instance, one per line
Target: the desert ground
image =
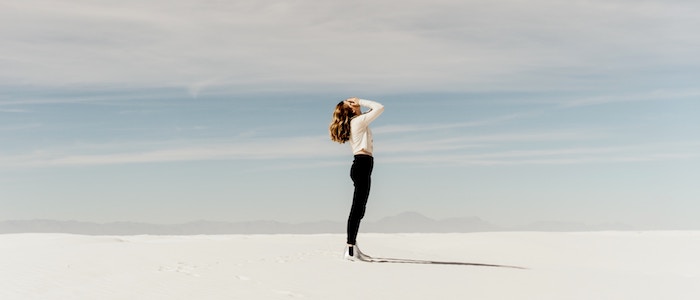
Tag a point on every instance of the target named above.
point(499, 265)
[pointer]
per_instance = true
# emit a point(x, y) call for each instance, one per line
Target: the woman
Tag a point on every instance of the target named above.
point(350, 124)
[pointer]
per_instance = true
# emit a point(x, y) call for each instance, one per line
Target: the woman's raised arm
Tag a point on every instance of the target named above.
point(376, 109)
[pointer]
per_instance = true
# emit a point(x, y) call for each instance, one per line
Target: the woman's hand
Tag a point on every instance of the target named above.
point(353, 102)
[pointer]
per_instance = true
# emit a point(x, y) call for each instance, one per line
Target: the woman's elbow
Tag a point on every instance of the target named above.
point(379, 108)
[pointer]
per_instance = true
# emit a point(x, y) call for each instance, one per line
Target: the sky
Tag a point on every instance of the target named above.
point(511, 111)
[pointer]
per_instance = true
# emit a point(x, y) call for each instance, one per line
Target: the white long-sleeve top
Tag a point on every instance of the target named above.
point(360, 134)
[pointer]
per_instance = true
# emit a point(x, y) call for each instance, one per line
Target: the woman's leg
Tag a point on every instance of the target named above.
point(360, 173)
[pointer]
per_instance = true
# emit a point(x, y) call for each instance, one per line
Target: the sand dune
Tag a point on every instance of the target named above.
point(595, 265)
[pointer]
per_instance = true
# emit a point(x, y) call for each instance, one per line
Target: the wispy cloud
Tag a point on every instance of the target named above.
point(120, 153)
point(407, 128)
point(561, 156)
point(78, 96)
point(243, 148)
point(395, 45)
point(19, 127)
point(655, 95)
point(196, 88)
point(2, 110)
point(401, 145)
point(476, 149)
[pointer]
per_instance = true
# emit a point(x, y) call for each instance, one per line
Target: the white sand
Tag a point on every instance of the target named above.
point(598, 265)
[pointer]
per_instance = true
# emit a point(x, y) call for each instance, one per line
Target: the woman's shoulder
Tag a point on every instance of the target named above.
point(357, 120)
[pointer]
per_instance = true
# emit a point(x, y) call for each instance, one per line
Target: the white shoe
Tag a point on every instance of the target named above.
point(354, 253)
point(350, 253)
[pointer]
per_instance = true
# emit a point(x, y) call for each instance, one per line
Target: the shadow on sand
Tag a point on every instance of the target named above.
point(432, 262)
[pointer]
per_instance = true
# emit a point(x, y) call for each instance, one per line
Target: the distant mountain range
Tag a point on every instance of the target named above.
point(408, 222)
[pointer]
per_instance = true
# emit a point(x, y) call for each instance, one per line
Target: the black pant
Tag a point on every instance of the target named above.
point(360, 173)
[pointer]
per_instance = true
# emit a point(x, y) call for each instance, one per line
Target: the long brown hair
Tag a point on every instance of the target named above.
point(340, 125)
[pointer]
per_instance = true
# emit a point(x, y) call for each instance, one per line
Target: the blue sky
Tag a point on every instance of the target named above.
point(512, 111)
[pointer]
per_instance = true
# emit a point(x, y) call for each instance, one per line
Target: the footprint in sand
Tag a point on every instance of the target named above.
point(182, 268)
point(290, 294)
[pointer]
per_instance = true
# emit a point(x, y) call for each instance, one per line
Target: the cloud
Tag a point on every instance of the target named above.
point(157, 152)
point(3, 110)
point(196, 88)
point(655, 95)
point(252, 148)
point(486, 142)
point(19, 127)
point(318, 151)
point(559, 156)
point(393, 129)
point(389, 46)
